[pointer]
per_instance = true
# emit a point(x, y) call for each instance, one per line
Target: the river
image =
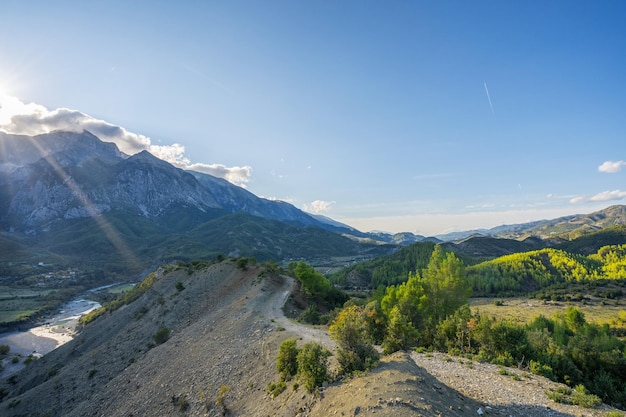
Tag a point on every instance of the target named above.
point(39, 340)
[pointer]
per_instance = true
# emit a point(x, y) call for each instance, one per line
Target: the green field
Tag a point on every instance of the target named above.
point(119, 289)
point(20, 303)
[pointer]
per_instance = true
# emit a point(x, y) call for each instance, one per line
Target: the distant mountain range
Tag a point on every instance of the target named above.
point(567, 227)
point(69, 197)
point(72, 196)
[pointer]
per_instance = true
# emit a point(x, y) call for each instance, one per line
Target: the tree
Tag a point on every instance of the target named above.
point(313, 365)
point(355, 352)
point(400, 332)
point(445, 288)
point(444, 284)
point(287, 359)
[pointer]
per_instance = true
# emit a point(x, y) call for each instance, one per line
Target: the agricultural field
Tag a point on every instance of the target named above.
point(17, 304)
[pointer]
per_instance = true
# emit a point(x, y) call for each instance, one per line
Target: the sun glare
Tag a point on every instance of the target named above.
point(9, 106)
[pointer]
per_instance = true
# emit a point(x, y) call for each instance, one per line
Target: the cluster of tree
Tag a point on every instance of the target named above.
point(613, 260)
point(404, 315)
point(318, 289)
point(528, 271)
point(392, 269)
point(566, 348)
point(509, 274)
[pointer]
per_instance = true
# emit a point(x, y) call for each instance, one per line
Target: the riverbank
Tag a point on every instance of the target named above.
point(45, 337)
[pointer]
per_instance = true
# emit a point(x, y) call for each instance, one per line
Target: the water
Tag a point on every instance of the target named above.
point(38, 341)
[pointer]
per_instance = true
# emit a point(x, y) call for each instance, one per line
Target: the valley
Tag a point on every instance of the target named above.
point(201, 282)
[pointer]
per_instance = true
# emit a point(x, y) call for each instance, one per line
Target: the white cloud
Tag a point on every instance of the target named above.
point(237, 175)
point(611, 167)
point(600, 197)
point(289, 200)
point(30, 119)
point(609, 196)
point(577, 200)
point(318, 206)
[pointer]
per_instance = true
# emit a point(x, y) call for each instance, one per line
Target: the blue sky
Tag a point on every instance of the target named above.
point(414, 116)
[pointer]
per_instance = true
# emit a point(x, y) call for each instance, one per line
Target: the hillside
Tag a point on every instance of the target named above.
point(494, 264)
point(224, 332)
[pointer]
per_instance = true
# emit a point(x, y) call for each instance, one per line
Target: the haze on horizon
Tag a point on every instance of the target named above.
point(416, 117)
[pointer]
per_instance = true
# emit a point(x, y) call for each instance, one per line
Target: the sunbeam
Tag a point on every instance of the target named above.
point(109, 231)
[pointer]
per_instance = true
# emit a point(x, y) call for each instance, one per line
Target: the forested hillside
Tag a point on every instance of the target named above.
point(594, 256)
point(529, 271)
point(387, 270)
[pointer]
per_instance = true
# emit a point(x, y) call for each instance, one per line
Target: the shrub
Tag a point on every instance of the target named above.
point(276, 388)
point(310, 315)
point(538, 368)
point(180, 402)
point(242, 263)
point(221, 395)
point(583, 398)
point(313, 365)
point(161, 335)
point(349, 329)
point(287, 359)
point(4, 349)
point(559, 397)
point(179, 286)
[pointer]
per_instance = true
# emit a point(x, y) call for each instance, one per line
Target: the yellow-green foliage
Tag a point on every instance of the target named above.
point(423, 301)
point(613, 259)
point(541, 268)
point(126, 298)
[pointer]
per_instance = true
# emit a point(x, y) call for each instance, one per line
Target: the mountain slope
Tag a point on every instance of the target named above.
point(224, 332)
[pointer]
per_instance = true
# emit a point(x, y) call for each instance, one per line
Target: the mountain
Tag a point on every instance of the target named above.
point(566, 227)
point(402, 239)
point(73, 195)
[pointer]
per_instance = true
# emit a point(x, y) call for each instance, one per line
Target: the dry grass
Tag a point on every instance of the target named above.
point(522, 310)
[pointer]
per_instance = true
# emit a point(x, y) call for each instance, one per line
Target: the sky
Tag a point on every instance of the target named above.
point(399, 116)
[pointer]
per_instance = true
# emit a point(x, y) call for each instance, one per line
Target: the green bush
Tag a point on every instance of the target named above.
point(276, 388)
point(583, 398)
point(4, 349)
point(161, 335)
point(560, 398)
point(313, 365)
point(287, 359)
point(538, 368)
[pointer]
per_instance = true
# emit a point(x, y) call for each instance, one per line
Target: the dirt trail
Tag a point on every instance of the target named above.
point(306, 332)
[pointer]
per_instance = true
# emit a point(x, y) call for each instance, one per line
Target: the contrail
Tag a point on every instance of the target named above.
point(489, 98)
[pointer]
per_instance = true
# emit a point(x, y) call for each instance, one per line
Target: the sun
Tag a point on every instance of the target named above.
point(9, 106)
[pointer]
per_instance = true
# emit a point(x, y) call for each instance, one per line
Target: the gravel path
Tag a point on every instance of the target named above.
point(500, 394)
